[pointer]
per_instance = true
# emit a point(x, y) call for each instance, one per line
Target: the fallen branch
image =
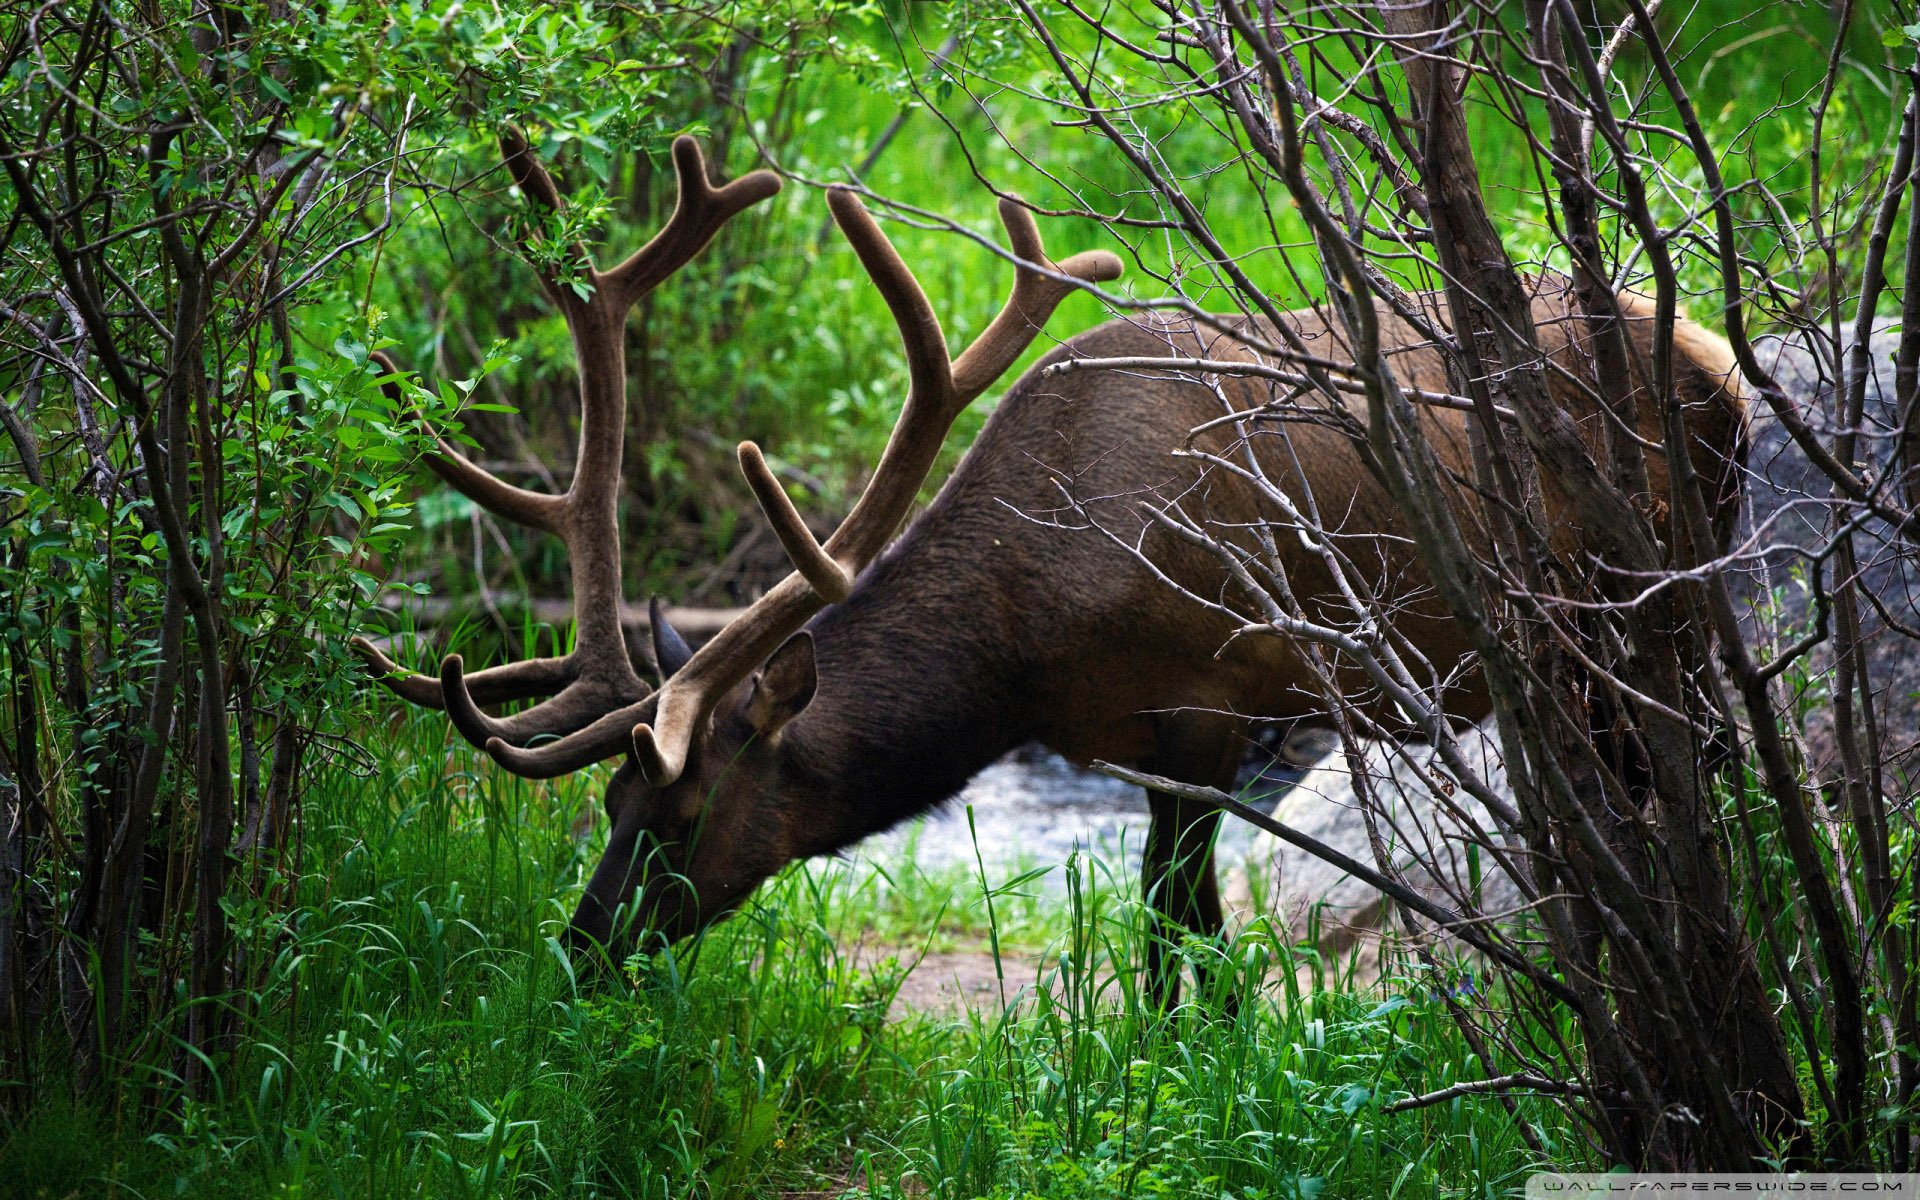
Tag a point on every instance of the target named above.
point(696, 624)
point(1499, 1083)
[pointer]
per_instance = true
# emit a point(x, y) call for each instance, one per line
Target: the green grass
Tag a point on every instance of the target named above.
point(416, 1033)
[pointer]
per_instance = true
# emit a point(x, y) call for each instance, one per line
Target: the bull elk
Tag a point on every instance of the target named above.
point(873, 682)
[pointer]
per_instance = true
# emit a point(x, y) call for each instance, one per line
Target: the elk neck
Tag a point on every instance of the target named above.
point(919, 689)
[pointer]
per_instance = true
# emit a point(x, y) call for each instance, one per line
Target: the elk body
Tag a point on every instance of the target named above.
point(1037, 599)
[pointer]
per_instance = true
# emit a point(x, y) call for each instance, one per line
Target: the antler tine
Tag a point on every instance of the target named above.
point(496, 685)
point(928, 371)
point(531, 177)
point(830, 579)
point(924, 418)
point(608, 737)
point(688, 697)
point(938, 391)
point(528, 174)
point(698, 213)
point(463, 475)
point(576, 707)
point(1035, 296)
point(512, 681)
point(927, 416)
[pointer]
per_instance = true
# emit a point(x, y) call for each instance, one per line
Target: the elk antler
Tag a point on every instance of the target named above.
point(596, 680)
point(938, 391)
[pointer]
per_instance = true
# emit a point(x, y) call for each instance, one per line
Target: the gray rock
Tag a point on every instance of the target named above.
point(1427, 840)
point(1788, 509)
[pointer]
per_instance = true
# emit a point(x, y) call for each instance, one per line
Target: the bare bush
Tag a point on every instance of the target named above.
point(1719, 902)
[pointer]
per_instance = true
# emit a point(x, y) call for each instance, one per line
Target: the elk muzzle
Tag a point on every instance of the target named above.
point(659, 882)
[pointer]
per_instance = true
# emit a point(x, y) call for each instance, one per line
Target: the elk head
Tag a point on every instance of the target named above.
point(706, 806)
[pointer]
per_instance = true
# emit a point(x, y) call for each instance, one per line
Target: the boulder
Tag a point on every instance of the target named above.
point(1429, 842)
point(1787, 511)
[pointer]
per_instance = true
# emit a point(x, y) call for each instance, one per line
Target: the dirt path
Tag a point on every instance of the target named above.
point(957, 981)
point(953, 983)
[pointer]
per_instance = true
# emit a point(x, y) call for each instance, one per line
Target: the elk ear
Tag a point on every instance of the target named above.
point(784, 686)
point(670, 650)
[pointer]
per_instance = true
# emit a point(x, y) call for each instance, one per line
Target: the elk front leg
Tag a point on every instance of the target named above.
point(1177, 874)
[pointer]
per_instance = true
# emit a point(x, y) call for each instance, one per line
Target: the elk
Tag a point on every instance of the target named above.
point(874, 681)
